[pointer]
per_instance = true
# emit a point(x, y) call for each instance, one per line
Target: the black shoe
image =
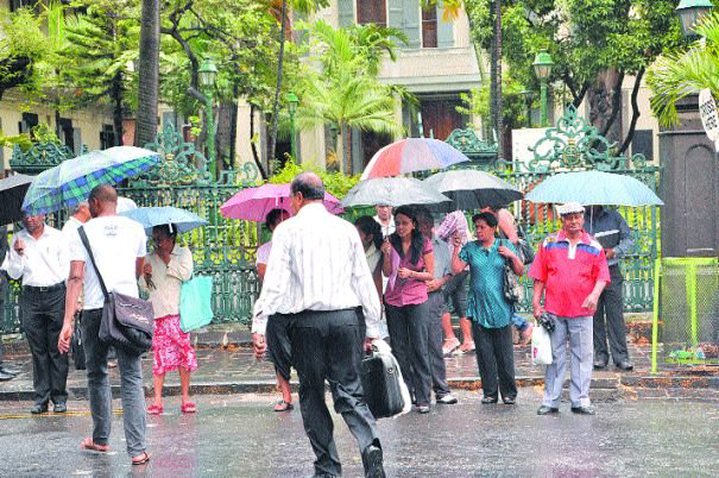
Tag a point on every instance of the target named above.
point(584, 410)
point(545, 410)
point(625, 365)
point(372, 462)
point(509, 400)
point(59, 407)
point(489, 400)
point(39, 408)
point(4, 376)
point(599, 365)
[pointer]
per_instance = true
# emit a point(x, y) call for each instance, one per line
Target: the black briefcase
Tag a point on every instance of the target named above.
point(381, 384)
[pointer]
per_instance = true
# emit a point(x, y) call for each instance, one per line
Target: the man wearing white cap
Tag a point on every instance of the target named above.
point(570, 269)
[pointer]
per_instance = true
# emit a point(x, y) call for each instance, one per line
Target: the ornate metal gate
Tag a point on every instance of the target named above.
point(575, 145)
point(223, 249)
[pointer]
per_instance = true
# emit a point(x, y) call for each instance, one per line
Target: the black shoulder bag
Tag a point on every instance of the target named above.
point(127, 321)
point(511, 287)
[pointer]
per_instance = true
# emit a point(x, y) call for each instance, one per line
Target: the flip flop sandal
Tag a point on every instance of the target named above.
point(188, 407)
point(141, 459)
point(88, 444)
point(155, 409)
point(283, 406)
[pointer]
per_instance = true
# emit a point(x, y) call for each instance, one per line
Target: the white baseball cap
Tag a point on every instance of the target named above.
point(570, 208)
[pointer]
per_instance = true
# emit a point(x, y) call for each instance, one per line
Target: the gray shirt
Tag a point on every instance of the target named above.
point(442, 258)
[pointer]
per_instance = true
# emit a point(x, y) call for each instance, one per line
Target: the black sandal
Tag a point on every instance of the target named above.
point(283, 406)
point(145, 457)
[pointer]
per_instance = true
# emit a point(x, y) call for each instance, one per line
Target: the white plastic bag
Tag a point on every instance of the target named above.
point(541, 346)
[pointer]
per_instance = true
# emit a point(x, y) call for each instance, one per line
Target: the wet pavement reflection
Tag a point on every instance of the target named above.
point(240, 436)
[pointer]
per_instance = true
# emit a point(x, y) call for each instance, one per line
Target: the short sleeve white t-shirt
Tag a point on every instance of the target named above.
point(116, 243)
point(263, 253)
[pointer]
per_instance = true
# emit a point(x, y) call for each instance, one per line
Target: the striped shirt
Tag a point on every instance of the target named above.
point(317, 262)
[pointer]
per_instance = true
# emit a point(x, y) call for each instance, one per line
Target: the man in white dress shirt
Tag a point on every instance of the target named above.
point(39, 254)
point(318, 275)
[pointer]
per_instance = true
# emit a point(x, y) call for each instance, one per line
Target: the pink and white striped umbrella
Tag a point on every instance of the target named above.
point(412, 154)
point(253, 204)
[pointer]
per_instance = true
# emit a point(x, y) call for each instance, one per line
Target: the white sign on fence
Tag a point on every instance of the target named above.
point(709, 116)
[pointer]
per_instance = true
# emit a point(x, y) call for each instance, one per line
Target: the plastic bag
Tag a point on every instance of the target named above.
point(541, 347)
point(196, 303)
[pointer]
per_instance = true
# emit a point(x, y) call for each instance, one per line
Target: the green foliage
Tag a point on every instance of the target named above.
point(23, 48)
point(477, 103)
point(336, 183)
point(679, 74)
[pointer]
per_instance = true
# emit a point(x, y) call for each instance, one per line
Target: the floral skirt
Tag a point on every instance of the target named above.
point(171, 347)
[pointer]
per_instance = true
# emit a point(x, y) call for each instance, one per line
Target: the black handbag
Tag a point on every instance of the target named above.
point(381, 377)
point(77, 349)
point(127, 322)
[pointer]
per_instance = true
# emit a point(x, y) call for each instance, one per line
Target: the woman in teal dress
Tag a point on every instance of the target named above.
point(489, 310)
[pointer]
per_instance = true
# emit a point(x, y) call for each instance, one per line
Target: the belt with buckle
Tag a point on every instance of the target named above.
point(49, 288)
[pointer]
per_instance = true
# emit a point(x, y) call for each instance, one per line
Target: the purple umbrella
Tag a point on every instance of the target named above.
point(253, 204)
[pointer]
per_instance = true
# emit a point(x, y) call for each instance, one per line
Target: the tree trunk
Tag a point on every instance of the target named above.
point(117, 110)
point(605, 103)
point(253, 146)
point(635, 112)
point(496, 77)
point(346, 134)
point(148, 77)
point(278, 88)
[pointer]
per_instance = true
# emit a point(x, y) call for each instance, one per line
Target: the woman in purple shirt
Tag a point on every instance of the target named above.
point(408, 261)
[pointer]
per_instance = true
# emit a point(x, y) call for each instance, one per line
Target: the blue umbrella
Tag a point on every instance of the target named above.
point(150, 217)
point(71, 181)
point(594, 187)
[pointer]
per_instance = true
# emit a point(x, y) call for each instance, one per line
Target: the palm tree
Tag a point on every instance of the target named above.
point(348, 102)
point(149, 73)
point(678, 75)
point(345, 94)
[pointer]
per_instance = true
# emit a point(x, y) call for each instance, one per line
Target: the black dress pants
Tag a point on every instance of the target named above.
point(42, 311)
point(328, 345)
point(609, 321)
point(495, 360)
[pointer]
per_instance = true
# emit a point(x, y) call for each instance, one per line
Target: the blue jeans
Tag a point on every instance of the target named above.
point(98, 385)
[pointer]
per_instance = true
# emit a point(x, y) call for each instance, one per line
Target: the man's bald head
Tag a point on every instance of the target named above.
point(309, 185)
point(103, 200)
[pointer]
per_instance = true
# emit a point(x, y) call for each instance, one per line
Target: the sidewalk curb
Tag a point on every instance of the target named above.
point(609, 385)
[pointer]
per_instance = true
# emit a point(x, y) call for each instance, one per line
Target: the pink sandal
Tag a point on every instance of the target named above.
point(188, 407)
point(88, 444)
point(155, 409)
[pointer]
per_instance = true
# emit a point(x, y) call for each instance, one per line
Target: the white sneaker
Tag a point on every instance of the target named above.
point(448, 399)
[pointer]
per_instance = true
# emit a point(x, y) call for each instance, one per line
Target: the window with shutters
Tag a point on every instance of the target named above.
point(429, 27)
point(372, 11)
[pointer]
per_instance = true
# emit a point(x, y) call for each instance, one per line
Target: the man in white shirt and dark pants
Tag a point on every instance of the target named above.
point(119, 246)
point(39, 255)
point(318, 275)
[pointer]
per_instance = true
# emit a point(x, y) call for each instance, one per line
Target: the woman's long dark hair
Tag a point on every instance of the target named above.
point(417, 244)
point(370, 227)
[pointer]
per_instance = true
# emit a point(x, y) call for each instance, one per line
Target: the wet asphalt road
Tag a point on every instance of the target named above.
point(239, 436)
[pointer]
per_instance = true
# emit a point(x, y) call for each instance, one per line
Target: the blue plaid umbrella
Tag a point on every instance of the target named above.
point(150, 217)
point(71, 181)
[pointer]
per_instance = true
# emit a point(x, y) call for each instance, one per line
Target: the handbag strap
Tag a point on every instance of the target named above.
point(86, 243)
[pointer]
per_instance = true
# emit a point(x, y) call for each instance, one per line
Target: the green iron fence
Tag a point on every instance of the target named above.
point(570, 146)
point(224, 249)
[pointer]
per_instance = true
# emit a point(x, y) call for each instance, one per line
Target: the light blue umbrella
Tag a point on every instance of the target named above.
point(71, 181)
point(150, 217)
point(392, 192)
point(594, 188)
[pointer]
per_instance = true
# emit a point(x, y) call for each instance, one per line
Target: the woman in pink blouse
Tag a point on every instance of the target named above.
point(278, 342)
point(408, 261)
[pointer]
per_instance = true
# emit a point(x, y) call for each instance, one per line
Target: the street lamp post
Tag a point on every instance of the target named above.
point(527, 94)
point(543, 69)
point(292, 102)
point(690, 12)
point(207, 76)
